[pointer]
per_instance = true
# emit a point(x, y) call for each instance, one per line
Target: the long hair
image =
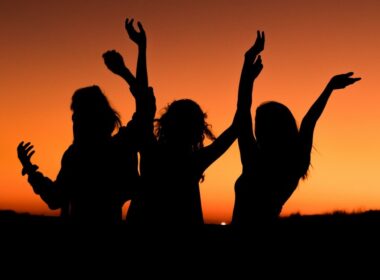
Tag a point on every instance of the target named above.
point(93, 113)
point(183, 122)
point(277, 134)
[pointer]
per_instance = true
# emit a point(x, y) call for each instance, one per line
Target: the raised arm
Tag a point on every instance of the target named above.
point(217, 148)
point(144, 97)
point(251, 69)
point(140, 39)
point(309, 121)
point(115, 62)
point(242, 123)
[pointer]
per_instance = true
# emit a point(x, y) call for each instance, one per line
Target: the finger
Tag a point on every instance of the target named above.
point(258, 60)
point(26, 145)
point(20, 152)
point(20, 146)
point(141, 28)
point(349, 74)
point(131, 23)
point(29, 148)
point(260, 66)
point(354, 80)
point(257, 69)
point(29, 155)
point(126, 23)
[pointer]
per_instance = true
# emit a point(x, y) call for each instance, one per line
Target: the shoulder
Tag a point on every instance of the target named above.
point(68, 154)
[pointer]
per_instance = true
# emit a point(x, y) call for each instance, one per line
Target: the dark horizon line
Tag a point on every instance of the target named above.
point(11, 212)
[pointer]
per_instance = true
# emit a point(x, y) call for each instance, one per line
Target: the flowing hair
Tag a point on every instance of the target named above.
point(183, 120)
point(277, 133)
point(90, 104)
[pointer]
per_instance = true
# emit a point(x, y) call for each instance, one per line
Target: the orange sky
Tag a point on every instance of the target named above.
point(195, 50)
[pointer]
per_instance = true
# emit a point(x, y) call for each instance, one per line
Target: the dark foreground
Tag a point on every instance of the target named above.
point(361, 227)
point(316, 243)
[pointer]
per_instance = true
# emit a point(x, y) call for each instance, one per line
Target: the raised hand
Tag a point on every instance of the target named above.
point(115, 63)
point(342, 80)
point(257, 47)
point(251, 70)
point(25, 152)
point(255, 68)
point(253, 63)
point(138, 37)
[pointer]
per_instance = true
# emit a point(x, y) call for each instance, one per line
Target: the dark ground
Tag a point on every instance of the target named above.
point(336, 242)
point(336, 226)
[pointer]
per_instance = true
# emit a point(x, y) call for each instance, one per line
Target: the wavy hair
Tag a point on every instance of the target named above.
point(92, 108)
point(184, 122)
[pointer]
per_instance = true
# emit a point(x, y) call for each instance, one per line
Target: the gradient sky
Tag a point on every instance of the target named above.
point(195, 50)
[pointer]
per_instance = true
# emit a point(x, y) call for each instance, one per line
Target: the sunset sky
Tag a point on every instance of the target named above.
point(195, 50)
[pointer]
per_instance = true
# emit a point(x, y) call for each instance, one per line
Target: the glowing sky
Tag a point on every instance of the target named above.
point(195, 50)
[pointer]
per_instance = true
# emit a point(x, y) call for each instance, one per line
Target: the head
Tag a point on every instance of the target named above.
point(183, 123)
point(275, 127)
point(93, 117)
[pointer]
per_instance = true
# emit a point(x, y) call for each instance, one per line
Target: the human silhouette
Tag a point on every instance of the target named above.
point(277, 154)
point(115, 63)
point(173, 156)
point(98, 171)
point(139, 89)
point(174, 161)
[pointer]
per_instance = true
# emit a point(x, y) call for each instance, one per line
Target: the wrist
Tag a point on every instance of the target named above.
point(329, 87)
point(29, 169)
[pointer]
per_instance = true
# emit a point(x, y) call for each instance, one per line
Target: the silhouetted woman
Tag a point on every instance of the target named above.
point(143, 95)
point(98, 171)
point(173, 163)
point(277, 155)
point(173, 159)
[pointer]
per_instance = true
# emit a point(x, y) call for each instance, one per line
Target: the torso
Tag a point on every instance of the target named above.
point(99, 179)
point(172, 188)
point(262, 189)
